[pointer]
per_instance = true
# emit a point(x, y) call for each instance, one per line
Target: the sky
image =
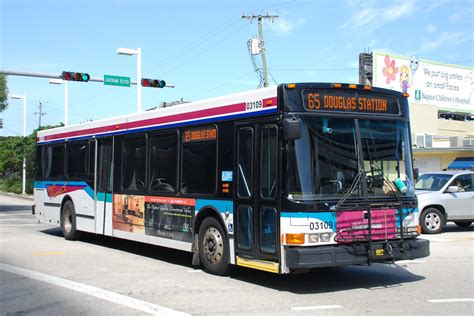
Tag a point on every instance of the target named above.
point(201, 47)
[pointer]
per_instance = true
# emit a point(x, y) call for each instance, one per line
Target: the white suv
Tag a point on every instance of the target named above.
point(445, 196)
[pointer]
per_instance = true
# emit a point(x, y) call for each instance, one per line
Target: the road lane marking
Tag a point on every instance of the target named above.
point(16, 219)
point(47, 253)
point(451, 300)
point(194, 271)
point(93, 291)
point(310, 308)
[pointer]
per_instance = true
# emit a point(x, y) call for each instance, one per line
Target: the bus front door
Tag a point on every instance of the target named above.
point(103, 180)
point(256, 196)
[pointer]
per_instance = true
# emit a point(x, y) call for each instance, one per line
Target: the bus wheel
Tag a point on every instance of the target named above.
point(213, 247)
point(68, 221)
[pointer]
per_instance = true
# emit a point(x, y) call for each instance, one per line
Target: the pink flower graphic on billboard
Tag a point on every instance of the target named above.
point(389, 71)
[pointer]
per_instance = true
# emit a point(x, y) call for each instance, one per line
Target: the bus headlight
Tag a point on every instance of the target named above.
point(313, 238)
point(325, 237)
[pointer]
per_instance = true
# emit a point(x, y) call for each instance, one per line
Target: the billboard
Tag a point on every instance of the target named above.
point(450, 87)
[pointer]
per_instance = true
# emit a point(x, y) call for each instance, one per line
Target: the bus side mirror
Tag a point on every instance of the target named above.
point(292, 128)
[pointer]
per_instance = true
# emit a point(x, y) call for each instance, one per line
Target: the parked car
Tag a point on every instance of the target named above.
point(445, 196)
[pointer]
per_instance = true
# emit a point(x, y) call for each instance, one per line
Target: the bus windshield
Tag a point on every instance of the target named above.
point(325, 162)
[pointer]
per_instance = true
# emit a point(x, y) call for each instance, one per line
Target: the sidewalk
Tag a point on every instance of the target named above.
point(19, 196)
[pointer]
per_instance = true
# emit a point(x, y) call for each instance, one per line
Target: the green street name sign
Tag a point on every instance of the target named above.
point(116, 81)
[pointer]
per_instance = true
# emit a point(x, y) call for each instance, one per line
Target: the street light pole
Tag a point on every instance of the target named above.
point(138, 52)
point(139, 79)
point(59, 81)
point(65, 104)
point(22, 97)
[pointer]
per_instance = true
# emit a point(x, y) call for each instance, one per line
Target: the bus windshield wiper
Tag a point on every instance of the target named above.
point(354, 185)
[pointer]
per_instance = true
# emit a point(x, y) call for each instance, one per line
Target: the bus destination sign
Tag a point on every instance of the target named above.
point(349, 101)
point(199, 135)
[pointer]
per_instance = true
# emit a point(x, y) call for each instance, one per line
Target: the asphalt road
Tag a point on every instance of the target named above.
point(43, 274)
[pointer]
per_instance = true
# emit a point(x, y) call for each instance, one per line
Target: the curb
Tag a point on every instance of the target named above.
point(18, 196)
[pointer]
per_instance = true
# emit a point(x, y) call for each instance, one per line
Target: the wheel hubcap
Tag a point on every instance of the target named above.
point(213, 245)
point(432, 221)
point(68, 222)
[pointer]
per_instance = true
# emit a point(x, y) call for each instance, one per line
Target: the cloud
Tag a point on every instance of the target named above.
point(431, 28)
point(461, 15)
point(283, 26)
point(371, 17)
point(437, 3)
point(445, 39)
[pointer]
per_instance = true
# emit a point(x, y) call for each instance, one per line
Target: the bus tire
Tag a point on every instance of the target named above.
point(213, 247)
point(432, 221)
point(68, 221)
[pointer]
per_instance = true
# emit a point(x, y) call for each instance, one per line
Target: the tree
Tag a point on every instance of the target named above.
point(3, 93)
point(12, 151)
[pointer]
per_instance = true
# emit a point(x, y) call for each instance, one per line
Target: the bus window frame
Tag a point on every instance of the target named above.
point(181, 161)
point(261, 196)
point(122, 140)
point(75, 178)
point(62, 177)
point(152, 134)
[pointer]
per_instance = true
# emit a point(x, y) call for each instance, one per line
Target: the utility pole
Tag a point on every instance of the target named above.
point(260, 18)
point(40, 113)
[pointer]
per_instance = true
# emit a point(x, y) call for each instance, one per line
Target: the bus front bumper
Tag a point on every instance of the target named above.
point(347, 254)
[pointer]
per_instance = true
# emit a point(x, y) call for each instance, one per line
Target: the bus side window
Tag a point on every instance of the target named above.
point(39, 163)
point(163, 162)
point(54, 162)
point(268, 170)
point(77, 160)
point(133, 163)
point(245, 163)
point(199, 166)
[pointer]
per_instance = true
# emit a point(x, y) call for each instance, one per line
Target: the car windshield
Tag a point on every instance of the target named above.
point(431, 181)
point(325, 162)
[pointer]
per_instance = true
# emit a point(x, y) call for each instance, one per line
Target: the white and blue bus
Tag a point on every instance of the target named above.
point(280, 179)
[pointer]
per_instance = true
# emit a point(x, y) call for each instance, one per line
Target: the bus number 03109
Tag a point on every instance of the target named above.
point(320, 225)
point(252, 105)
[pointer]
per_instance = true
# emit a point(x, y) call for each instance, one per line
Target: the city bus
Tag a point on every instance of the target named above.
point(280, 179)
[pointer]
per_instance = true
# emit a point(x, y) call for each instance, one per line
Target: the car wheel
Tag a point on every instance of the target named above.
point(432, 221)
point(463, 224)
point(68, 221)
point(213, 247)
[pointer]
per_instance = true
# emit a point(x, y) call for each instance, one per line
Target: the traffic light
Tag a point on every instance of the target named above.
point(153, 83)
point(75, 76)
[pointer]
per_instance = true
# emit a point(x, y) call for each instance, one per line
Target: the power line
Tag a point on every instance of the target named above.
point(312, 69)
point(184, 51)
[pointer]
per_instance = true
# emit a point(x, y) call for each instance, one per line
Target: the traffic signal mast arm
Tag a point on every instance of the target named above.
point(55, 76)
